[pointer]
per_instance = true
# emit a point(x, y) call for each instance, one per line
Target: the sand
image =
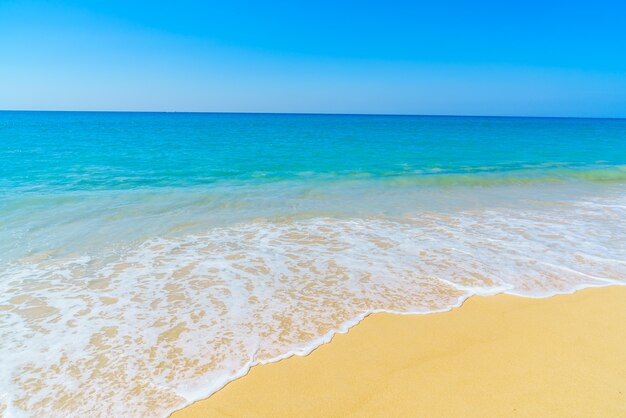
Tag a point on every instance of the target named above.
point(563, 356)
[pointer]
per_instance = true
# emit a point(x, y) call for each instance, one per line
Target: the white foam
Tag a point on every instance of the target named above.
point(145, 330)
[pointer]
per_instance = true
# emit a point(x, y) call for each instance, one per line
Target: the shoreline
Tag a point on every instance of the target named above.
point(350, 375)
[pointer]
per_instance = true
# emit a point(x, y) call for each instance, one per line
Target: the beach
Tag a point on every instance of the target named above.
point(312, 209)
point(494, 356)
point(147, 260)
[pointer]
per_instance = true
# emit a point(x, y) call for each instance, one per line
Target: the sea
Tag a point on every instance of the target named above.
point(148, 259)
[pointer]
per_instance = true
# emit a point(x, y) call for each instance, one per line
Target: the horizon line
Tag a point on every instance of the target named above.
point(310, 114)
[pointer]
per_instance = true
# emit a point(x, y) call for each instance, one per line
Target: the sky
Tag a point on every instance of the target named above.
point(526, 58)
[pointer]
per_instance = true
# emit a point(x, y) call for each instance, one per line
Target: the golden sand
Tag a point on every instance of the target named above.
point(502, 356)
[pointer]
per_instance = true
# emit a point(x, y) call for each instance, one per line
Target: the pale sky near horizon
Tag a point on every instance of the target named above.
point(450, 57)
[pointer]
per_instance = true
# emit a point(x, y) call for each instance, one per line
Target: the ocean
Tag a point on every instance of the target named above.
point(147, 259)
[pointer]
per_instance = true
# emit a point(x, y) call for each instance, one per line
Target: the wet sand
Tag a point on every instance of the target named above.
point(495, 356)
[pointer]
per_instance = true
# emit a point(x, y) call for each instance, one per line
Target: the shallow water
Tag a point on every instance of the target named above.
point(148, 259)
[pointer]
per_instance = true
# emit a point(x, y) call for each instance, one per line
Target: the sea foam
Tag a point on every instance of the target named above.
point(145, 329)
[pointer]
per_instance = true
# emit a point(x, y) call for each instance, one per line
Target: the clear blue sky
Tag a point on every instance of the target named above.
point(562, 58)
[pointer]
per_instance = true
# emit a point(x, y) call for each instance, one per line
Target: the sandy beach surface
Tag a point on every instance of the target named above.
point(563, 356)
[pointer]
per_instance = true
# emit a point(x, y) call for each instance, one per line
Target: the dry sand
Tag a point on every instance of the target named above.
point(563, 356)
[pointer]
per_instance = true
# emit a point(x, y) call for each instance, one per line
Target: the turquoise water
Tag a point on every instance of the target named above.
point(131, 239)
point(58, 152)
point(191, 171)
